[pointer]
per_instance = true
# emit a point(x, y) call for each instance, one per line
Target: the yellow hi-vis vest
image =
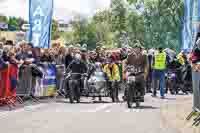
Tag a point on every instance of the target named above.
point(160, 61)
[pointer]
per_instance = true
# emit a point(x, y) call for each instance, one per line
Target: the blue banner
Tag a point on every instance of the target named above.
point(40, 19)
point(195, 19)
point(187, 25)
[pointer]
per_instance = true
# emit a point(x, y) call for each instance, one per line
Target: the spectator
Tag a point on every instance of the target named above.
point(68, 57)
point(1, 45)
point(26, 53)
point(46, 56)
point(60, 56)
point(5, 56)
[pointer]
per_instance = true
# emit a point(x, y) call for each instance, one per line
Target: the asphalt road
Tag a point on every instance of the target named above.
point(58, 116)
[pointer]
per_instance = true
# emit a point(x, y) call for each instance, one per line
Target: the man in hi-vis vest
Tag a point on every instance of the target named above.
point(159, 67)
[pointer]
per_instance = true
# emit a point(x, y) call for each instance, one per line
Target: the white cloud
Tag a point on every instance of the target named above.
point(63, 9)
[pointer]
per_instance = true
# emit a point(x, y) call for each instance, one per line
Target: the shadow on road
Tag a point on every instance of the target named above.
point(145, 107)
point(89, 102)
point(168, 98)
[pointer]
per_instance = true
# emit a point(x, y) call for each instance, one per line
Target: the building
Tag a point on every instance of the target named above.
point(63, 26)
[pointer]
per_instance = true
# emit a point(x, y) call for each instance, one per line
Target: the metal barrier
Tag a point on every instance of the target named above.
point(25, 82)
point(34, 86)
point(46, 86)
point(60, 70)
point(60, 81)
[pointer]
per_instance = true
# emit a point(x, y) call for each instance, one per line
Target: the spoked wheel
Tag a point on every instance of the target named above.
point(130, 98)
point(78, 100)
point(137, 104)
point(71, 91)
point(113, 96)
point(71, 95)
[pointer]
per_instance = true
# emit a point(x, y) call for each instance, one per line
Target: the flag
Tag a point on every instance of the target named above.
point(195, 19)
point(187, 25)
point(40, 19)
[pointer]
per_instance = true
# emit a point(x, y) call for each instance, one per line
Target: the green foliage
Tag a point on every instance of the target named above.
point(3, 19)
point(14, 22)
point(54, 30)
point(159, 23)
point(162, 22)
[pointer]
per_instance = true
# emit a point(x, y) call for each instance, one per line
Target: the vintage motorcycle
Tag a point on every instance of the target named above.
point(73, 86)
point(91, 84)
point(179, 79)
point(97, 84)
point(133, 93)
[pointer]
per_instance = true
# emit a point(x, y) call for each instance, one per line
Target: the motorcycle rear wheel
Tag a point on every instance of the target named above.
point(71, 95)
point(137, 104)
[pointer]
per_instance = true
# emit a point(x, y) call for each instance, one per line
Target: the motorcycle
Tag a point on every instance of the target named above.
point(134, 93)
point(97, 85)
point(179, 79)
point(172, 82)
point(74, 90)
point(91, 84)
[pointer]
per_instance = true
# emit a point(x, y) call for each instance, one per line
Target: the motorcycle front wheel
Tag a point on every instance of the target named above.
point(129, 98)
point(137, 104)
point(71, 95)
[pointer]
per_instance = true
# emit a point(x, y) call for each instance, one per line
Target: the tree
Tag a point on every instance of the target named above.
point(54, 30)
point(162, 22)
point(3, 19)
point(13, 23)
point(119, 10)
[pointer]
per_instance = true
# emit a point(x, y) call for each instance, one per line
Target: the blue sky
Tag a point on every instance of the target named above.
point(64, 9)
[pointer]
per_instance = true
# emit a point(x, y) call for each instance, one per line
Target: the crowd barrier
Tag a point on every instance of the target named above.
point(46, 86)
point(8, 84)
point(24, 81)
point(60, 69)
point(37, 85)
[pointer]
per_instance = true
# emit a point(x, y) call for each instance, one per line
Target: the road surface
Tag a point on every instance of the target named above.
point(58, 116)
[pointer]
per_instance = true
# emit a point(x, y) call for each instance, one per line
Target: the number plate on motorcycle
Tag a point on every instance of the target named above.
point(132, 78)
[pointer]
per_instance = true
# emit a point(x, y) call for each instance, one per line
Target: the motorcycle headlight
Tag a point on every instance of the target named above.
point(173, 75)
point(131, 79)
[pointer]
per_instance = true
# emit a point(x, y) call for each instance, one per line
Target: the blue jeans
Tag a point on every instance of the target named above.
point(159, 80)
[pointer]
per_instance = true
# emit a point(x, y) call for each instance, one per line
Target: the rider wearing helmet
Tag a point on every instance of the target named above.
point(139, 62)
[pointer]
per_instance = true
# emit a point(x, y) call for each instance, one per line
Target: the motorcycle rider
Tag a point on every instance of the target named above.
point(113, 74)
point(77, 67)
point(140, 63)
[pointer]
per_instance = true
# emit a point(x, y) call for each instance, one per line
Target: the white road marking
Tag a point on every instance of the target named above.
point(100, 108)
point(128, 110)
point(137, 110)
point(107, 111)
point(26, 108)
point(35, 106)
